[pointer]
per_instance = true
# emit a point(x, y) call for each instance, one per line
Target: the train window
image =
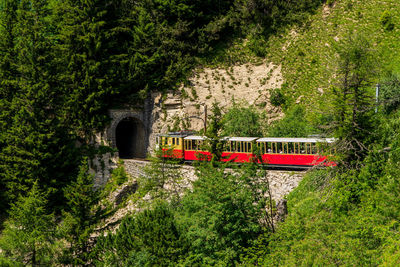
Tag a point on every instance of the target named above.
point(249, 147)
point(228, 146)
point(313, 148)
point(284, 148)
point(233, 145)
point(199, 145)
point(279, 148)
point(308, 148)
point(273, 148)
point(173, 140)
point(269, 147)
point(177, 141)
point(290, 148)
point(239, 146)
point(194, 145)
point(261, 147)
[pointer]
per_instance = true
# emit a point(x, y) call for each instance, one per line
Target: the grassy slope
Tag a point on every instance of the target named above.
point(323, 228)
point(307, 55)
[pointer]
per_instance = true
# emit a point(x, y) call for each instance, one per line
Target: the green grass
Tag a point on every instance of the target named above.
point(308, 60)
point(306, 52)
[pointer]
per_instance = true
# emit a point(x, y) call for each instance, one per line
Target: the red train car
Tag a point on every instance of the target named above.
point(280, 152)
point(302, 152)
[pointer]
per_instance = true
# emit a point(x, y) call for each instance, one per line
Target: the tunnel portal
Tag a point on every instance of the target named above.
point(129, 135)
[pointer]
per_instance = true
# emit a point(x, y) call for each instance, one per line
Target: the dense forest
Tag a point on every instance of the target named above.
point(64, 63)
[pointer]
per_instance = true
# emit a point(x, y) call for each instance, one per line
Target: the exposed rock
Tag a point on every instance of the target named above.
point(124, 192)
point(281, 210)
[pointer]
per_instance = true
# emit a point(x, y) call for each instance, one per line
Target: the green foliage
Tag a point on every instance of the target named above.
point(35, 144)
point(389, 94)
point(29, 233)
point(353, 109)
point(277, 98)
point(341, 217)
point(162, 177)
point(118, 177)
point(214, 144)
point(242, 121)
point(221, 215)
point(150, 238)
point(294, 124)
point(80, 217)
point(386, 20)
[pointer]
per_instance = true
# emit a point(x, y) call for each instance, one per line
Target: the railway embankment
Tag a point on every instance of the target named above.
point(282, 182)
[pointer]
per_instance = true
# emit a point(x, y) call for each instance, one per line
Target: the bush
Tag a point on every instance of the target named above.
point(293, 124)
point(390, 93)
point(242, 121)
point(151, 238)
point(386, 20)
point(277, 98)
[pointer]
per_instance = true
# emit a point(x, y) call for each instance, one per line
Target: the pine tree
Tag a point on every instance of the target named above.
point(86, 49)
point(29, 232)
point(150, 238)
point(36, 145)
point(353, 113)
point(213, 134)
point(7, 77)
point(80, 217)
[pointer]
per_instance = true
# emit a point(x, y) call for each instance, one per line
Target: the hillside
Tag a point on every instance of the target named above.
point(262, 67)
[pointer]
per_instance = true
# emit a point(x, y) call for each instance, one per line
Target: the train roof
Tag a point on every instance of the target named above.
point(244, 139)
point(194, 137)
point(263, 139)
point(296, 140)
point(176, 134)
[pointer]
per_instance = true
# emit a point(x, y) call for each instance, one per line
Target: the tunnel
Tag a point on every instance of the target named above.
point(130, 138)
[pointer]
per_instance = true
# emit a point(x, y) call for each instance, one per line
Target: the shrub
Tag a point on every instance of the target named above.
point(293, 124)
point(277, 98)
point(386, 20)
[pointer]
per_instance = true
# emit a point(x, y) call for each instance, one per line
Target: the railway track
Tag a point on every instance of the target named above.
point(268, 167)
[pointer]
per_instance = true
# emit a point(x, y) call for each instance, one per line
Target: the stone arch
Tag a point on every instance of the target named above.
point(128, 135)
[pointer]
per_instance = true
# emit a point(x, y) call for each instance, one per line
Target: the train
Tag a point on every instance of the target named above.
point(272, 151)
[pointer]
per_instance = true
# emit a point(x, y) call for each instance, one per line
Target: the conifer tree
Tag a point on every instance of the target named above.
point(7, 77)
point(80, 217)
point(150, 238)
point(90, 74)
point(213, 134)
point(29, 233)
point(36, 145)
point(353, 117)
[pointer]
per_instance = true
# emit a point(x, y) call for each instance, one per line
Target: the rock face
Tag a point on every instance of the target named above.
point(122, 194)
point(281, 182)
point(185, 109)
point(281, 210)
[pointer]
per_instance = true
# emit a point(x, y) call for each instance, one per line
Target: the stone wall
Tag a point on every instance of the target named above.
point(281, 182)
